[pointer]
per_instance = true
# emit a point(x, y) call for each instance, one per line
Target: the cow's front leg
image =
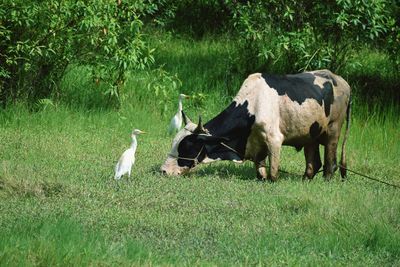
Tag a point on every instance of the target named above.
point(313, 160)
point(260, 169)
point(273, 156)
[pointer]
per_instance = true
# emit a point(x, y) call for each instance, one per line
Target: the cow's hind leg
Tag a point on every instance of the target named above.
point(313, 160)
point(330, 165)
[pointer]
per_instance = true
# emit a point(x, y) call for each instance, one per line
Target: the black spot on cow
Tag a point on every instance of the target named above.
point(298, 87)
point(327, 92)
point(232, 127)
point(234, 124)
point(315, 130)
point(327, 76)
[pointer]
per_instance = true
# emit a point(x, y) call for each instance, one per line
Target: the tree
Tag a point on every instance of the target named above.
point(312, 34)
point(40, 39)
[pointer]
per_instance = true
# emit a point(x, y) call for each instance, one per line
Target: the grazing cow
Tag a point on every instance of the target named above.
point(299, 110)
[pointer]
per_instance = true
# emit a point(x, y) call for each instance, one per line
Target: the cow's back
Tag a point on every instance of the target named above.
point(299, 107)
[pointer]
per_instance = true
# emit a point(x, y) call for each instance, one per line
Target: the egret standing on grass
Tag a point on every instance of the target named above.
point(176, 121)
point(127, 159)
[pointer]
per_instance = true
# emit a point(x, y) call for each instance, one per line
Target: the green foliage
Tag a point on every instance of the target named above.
point(291, 36)
point(163, 87)
point(79, 89)
point(197, 18)
point(45, 103)
point(311, 34)
point(393, 42)
point(198, 99)
point(40, 39)
point(375, 80)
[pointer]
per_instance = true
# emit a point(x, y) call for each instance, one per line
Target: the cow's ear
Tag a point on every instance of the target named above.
point(186, 119)
point(200, 129)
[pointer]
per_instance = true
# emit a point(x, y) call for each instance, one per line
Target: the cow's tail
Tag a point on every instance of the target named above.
point(343, 166)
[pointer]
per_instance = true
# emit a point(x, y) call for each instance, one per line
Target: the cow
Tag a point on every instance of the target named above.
point(302, 110)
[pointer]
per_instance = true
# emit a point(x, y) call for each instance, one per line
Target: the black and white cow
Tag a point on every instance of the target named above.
point(300, 110)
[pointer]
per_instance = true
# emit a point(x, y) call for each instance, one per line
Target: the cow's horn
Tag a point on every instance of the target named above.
point(200, 129)
point(186, 119)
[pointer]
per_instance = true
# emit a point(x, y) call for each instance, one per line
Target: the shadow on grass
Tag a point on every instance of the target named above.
point(155, 169)
point(227, 170)
point(244, 171)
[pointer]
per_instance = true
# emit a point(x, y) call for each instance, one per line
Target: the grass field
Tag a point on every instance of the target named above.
point(59, 204)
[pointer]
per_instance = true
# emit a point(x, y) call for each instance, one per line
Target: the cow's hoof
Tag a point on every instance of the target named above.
point(272, 179)
point(307, 178)
point(343, 171)
point(261, 179)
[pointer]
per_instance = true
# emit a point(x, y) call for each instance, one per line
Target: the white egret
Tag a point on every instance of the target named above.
point(127, 159)
point(176, 121)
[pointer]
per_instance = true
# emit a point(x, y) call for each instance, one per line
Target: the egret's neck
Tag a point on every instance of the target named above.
point(134, 143)
point(180, 105)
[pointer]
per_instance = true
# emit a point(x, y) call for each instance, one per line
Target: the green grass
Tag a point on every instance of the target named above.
point(59, 204)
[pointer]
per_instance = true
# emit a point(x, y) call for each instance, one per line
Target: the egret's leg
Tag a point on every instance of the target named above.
point(129, 174)
point(117, 184)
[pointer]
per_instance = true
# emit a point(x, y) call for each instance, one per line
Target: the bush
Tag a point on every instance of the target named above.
point(290, 36)
point(40, 39)
point(311, 34)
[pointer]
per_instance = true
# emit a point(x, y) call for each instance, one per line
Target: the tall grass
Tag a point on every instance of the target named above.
point(56, 240)
point(60, 206)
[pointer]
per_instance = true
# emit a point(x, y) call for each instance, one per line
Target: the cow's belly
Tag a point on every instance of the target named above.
point(301, 124)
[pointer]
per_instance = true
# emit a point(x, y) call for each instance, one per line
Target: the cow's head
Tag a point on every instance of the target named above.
point(189, 148)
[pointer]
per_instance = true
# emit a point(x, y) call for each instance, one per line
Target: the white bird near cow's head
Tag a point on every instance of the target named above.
point(176, 121)
point(127, 158)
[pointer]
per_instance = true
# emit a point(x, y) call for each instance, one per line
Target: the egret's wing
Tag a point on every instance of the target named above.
point(124, 163)
point(117, 171)
point(172, 124)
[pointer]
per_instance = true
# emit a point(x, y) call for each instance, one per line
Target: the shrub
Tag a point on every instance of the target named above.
point(294, 35)
point(311, 34)
point(39, 39)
